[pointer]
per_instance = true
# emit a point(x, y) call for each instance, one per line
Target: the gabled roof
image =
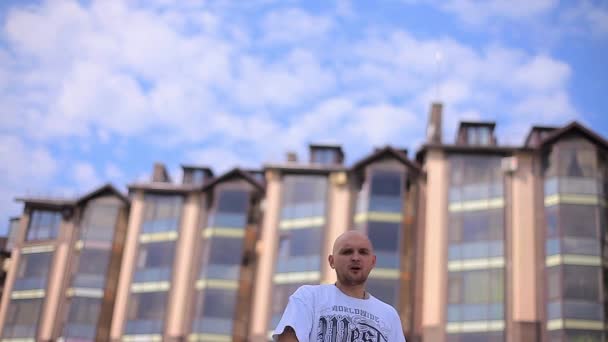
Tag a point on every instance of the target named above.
point(536, 129)
point(108, 187)
point(234, 173)
point(574, 126)
point(387, 151)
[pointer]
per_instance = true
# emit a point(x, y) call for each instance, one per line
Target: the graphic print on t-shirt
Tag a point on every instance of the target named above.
point(344, 324)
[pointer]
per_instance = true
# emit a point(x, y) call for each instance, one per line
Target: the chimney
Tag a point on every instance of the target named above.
point(433, 129)
point(160, 173)
point(292, 157)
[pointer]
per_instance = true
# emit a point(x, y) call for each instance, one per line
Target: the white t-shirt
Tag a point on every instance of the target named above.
point(322, 313)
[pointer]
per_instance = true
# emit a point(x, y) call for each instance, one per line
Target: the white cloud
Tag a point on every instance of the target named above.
point(294, 25)
point(85, 176)
point(587, 17)
point(220, 159)
point(479, 12)
point(202, 76)
point(26, 170)
point(114, 173)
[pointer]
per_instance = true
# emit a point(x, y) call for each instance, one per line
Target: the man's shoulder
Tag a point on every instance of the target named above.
point(384, 306)
point(309, 290)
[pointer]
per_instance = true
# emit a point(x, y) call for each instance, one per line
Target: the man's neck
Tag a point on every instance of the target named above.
point(357, 291)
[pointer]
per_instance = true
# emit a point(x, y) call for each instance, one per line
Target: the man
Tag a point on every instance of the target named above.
point(343, 311)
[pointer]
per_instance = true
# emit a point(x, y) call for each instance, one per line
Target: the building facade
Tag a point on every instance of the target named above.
point(475, 241)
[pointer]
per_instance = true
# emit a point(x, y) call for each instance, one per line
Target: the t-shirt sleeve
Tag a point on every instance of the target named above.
point(298, 315)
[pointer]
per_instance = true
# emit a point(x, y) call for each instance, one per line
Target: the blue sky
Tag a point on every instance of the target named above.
point(97, 91)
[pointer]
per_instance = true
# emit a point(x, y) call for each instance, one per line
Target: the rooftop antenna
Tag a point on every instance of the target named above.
point(438, 60)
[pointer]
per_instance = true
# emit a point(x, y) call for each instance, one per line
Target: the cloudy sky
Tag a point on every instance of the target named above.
point(97, 91)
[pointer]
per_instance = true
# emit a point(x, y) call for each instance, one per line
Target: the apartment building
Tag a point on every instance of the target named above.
point(476, 241)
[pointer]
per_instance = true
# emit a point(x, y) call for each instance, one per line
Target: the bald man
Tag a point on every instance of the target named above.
point(343, 311)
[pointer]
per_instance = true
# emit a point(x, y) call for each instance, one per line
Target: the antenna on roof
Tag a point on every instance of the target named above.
point(438, 60)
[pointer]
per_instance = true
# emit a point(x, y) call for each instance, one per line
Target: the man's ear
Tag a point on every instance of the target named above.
point(330, 259)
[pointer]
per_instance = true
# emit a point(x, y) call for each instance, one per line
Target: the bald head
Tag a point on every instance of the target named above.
point(352, 236)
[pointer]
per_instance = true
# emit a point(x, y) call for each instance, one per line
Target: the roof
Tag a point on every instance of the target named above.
point(538, 129)
point(572, 127)
point(197, 167)
point(63, 202)
point(386, 151)
point(236, 172)
point(478, 123)
point(305, 168)
point(165, 187)
point(108, 187)
point(47, 201)
point(478, 149)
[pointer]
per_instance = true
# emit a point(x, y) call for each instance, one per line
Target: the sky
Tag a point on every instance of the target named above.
point(97, 91)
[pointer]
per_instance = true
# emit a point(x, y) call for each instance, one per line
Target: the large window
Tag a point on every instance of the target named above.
point(33, 270)
point(92, 268)
point(162, 213)
point(155, 261)
point(99, 221)
point(22, 318)
point(475, 232)
point(146, 313)
point(216, 309)
point(304, 196)
point(44, 225)
point(82, 318)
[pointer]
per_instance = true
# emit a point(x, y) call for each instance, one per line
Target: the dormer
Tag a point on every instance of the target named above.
point(326, 154)
point(196, 175)
point(478, 133)
point(537, 134)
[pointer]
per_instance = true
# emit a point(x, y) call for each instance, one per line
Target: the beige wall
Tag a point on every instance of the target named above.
point(338, 220)
point(182, 267)
point(127, 265)
point(266, 250)
point(434, 276)
point(523, 246)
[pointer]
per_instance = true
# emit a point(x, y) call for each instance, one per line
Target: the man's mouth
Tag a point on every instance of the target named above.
point(355, 268)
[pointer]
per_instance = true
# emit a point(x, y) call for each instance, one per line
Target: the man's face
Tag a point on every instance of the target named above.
point(353, 258)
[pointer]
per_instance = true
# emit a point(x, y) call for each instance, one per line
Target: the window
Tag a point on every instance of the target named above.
point(147, 306)
point(551, 217)
point(156, 254)
point(386, 183)
point(99, 222)
point(219, 303)
point(13, 230)
point(384, 289)
point(553, 282)
point(582, 282)
point(162, 213)
point(579, 220)
point(306, 241)
point(225, 251)
point(84, 310)
point(93, 261)
point(384, 235)
point(577, 161)
point(233, 201)
point(324, 156)
point(44, 225)
point(22, 318)
point(478, 135)
point(33, 270)
point(305, 189)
